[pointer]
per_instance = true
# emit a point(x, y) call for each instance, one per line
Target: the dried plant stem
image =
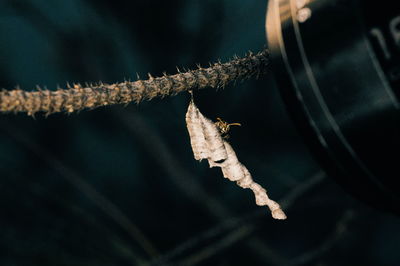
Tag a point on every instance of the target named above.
point(78, 97)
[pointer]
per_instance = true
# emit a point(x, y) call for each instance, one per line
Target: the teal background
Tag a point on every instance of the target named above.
point(76, 189)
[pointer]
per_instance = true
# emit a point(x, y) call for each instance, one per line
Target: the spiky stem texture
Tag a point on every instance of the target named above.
point(78, 97)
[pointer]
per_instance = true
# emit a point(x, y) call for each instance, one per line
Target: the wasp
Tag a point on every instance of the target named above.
point(224, 127)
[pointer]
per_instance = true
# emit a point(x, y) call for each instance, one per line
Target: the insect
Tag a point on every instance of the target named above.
point(224, 127)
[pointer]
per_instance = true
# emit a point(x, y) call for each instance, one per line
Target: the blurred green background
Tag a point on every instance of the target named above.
point(119, 185)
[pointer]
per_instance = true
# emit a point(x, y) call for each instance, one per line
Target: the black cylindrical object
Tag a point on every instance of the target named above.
point(337, 64)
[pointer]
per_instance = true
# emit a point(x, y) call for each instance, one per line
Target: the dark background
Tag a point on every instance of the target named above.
point(119, 185)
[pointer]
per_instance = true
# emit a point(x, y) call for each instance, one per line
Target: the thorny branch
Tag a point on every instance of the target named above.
point(78, 97)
